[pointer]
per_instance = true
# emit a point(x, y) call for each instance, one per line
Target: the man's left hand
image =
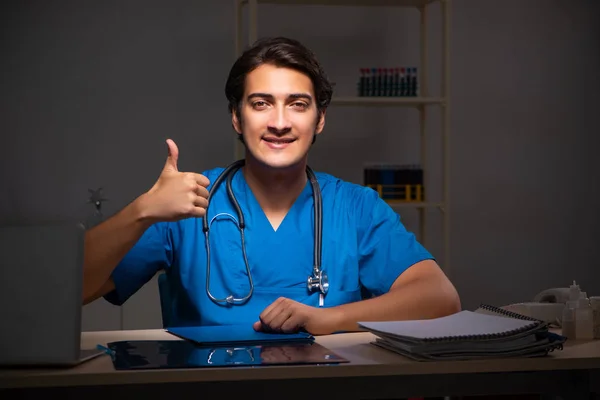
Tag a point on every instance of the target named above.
point(287, 316)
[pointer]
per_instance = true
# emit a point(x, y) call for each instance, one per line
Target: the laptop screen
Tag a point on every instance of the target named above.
point(41, 292)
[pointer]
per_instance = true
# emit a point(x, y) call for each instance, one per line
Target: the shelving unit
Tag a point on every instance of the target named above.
point(421, 103)
point(387, 101)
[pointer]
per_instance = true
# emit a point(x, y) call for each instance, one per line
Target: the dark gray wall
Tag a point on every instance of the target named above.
point(89, 90)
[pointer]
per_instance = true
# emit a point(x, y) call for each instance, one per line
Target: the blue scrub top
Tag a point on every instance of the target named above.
point(365, 248)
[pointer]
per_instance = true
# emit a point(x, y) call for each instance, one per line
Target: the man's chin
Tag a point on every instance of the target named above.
point(279, 163)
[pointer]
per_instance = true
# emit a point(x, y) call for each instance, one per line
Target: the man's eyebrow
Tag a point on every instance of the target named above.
point(304, 96)
point(261, 95)
point(268, 96)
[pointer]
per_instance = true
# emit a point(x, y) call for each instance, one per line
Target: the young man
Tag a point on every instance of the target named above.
point(253, 265)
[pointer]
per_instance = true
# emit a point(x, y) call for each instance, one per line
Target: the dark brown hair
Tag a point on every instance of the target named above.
point(280, 52)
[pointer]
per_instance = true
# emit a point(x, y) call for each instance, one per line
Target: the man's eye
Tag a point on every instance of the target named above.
point(259, 104)
point(300, 105)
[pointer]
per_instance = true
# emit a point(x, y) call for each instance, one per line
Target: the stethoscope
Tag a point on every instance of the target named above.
point(317, 281)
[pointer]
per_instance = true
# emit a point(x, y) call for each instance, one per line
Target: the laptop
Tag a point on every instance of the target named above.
point(41, 272)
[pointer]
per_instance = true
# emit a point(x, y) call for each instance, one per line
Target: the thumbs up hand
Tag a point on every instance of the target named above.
point(171, 164)
point(176, 195)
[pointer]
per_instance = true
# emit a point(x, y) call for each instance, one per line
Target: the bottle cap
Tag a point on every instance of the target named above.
point(574, 285)
point(574, 291)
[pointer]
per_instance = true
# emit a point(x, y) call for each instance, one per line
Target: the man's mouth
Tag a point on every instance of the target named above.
point(278, 140)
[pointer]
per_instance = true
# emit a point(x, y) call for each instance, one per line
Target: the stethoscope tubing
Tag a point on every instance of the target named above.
point(228, 173)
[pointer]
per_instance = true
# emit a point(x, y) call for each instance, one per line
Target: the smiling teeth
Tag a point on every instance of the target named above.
point(279, 141)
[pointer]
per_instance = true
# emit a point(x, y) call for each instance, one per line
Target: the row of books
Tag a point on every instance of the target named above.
point(388, 82)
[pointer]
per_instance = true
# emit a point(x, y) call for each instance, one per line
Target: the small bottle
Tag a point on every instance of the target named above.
point(584, 328)
point(568, 320)
point(361, 83)
point(403, 85)
point(389, 86)
point(413, 82)
point(574, 292)
point(374, 88)
point(595, 304)
point(396, 84)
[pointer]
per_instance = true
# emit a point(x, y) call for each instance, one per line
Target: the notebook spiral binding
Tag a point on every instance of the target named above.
point(507, 313)
point(497, 310)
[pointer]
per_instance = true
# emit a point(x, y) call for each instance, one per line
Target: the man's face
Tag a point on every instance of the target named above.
point(278, 116)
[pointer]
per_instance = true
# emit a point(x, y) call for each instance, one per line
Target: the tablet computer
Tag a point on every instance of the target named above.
point(166, 354)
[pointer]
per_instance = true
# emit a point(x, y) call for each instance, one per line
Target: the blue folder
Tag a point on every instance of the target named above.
point(231, 335)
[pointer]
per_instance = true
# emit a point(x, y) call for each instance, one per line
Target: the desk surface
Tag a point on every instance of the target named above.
point(365, 360)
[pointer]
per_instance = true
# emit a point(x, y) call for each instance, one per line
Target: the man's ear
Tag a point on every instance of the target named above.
point(235, 122)
point(320, 122)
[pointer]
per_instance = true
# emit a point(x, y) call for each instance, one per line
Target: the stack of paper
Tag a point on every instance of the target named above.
point(486, 333)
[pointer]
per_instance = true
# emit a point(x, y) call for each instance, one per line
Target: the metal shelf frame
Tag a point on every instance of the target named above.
point(421, 103)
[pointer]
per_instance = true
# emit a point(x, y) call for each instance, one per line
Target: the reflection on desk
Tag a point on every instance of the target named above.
point(370, 373)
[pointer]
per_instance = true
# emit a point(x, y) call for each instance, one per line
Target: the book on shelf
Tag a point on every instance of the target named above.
point(488, 332)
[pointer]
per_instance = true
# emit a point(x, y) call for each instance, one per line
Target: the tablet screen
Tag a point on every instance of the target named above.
point(163, 354)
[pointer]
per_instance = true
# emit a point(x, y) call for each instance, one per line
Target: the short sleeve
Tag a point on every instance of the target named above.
point(152, 253)
point(386, 248)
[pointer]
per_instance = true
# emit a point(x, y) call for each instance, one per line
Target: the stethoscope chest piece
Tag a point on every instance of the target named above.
point(318, 281)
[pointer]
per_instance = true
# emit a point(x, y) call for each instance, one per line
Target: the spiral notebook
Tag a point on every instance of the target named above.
point(487, 332)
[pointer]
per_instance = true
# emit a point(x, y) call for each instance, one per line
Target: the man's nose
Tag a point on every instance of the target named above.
point(279, 121)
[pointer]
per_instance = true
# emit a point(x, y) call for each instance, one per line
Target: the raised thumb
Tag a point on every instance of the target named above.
point(171, 164)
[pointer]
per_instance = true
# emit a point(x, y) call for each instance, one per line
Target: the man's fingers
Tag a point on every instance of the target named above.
point(271, 309)
point(202, 180)
point(276, 314)
point(202, 191)
point(292, 324)
point(201, 202)
point(171, 164)
point(280, 319)
point(198, 212)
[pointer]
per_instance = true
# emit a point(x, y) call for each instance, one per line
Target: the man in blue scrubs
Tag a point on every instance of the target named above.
point(278, 95)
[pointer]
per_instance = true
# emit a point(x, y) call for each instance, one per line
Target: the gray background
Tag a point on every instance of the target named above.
point(89, 91)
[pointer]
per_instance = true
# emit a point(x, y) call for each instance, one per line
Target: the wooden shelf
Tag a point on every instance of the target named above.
point(385, 3)
point(386, 101)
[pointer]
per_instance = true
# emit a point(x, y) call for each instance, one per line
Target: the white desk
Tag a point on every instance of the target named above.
point(371, 373)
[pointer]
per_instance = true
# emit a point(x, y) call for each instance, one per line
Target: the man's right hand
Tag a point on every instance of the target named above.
point(176, 195)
